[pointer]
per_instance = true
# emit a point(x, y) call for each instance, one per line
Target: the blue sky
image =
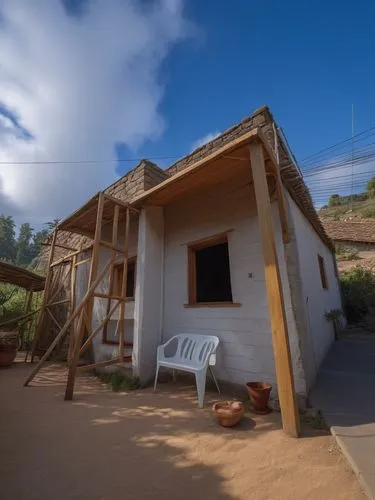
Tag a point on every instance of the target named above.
point(309, 61)
point(126, 78)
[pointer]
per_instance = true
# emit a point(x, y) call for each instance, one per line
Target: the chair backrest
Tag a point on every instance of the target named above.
point(194, 348)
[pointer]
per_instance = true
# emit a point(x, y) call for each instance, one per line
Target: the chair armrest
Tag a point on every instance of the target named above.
point(160, 350)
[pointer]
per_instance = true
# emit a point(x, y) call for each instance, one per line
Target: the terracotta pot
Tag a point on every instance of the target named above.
point(259, 394)
point(228, 413)
point(8, 347)
point(7, 356)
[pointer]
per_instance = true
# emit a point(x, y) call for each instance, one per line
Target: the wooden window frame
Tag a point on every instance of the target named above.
point(131, 260)
point(323, 272)
point(191, 271)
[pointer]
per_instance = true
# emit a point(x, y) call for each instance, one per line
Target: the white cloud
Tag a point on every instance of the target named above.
point(77, 85)
point(203, 140)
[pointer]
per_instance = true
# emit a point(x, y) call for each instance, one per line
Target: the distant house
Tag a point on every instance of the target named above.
point(358, 234)
point(200, 260)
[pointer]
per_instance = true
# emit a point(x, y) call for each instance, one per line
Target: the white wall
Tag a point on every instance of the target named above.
point(148, 292)
point(317, 300)
point(246, 351)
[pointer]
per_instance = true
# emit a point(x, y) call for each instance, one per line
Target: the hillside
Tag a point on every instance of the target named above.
point(349, 210)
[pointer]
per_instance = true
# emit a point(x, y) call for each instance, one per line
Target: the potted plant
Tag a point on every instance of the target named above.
point(259, 394)
point(334, 316)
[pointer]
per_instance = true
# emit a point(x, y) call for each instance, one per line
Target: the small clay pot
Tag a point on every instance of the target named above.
point(7, 356)
point(259, 394)
point(8, 347)
point(228, 413)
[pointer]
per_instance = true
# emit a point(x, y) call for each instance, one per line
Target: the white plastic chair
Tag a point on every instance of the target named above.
point(194, 354)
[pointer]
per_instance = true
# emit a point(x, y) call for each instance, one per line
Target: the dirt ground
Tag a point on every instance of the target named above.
point(140, 445)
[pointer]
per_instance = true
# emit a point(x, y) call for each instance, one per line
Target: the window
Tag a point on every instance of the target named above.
point(209, 272)
point(109, 329)
point(322, 269)
point(130, 281)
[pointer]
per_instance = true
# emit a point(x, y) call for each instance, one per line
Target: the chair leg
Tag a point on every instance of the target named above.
point(200, 378)
point(156, 377)
point(213, 376)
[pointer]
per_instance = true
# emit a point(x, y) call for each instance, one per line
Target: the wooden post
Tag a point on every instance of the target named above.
point(73, 275)
point(90, 301)
point(26, 329)
point(121, 345)
point(281, 348)
point(45, 295)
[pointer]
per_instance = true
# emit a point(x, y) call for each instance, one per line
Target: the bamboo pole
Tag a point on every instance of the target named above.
point(64, 329)
point(90, 301)
point(45, 295)
point(123, 287)
point(279, 326)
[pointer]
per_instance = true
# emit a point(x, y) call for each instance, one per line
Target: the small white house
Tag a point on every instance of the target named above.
point(204, 258)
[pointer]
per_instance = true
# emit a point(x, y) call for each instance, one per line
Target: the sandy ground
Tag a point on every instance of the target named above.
point(140, 445)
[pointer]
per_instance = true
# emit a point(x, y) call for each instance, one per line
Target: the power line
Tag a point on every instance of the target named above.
point(74, 162)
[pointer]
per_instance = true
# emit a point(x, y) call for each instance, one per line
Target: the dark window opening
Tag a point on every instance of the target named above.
point(211, 273)
point(322, 269)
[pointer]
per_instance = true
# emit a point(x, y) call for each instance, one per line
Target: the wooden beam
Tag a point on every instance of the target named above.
point(108, 296)
point(54, 319)
point(120, 203)
point(97, 330)
point(90, 300)
point(279, 326)
point(111, 246)
point(45, 295)
point(101, 364)
point(64, 329)
point(82, 262)
point(73, 277)
point(70, 255)
point(243, 140)
point(121, 323)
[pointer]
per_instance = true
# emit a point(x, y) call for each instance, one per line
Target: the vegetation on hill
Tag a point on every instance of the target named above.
point(360, 205)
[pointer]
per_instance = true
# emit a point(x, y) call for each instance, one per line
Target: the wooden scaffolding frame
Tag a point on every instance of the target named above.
point(89, 221)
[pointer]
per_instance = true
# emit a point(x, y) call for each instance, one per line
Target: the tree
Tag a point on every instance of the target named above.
point(51, 225)
point(8, 249)
point(23, 257)
point(36, 245)
point(334, 200)
point(371, 188)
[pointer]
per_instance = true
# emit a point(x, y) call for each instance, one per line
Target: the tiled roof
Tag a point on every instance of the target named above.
point(360, 231)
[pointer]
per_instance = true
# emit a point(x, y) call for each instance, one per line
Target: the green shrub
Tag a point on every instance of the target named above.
point(367, 212)
point(119, 381)
point(358, 290)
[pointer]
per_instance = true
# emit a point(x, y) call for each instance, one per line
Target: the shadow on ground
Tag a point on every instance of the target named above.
point(140, 445)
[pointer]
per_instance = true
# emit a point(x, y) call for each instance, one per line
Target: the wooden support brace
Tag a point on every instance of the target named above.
point(97, 330)
point(90, 301)
point(64, 329)
point(279, 326)
point(100, 364)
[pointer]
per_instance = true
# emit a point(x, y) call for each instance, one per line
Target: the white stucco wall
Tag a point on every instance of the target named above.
point(148, 292)
point(246, 351)
point(317, 300)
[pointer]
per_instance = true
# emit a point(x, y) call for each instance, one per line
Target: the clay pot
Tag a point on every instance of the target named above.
point(8, 347)
point(228, 413)
point(259, 394)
